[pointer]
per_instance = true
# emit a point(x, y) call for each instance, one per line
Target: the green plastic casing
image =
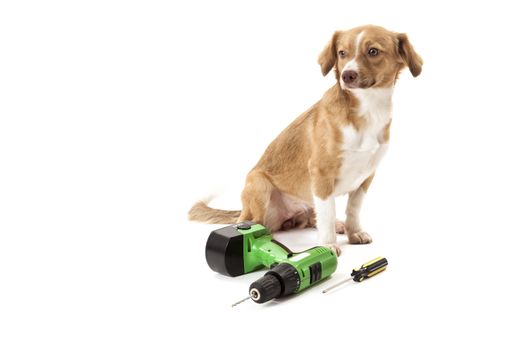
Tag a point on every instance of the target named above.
point(259, 250)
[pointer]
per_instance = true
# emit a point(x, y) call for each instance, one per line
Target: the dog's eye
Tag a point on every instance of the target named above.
point(373, 52)
point(342, 53)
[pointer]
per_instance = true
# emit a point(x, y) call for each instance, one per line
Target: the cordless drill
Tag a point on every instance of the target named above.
point(245, 247)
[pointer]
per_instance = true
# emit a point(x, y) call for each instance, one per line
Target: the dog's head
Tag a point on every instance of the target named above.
point(369, 56)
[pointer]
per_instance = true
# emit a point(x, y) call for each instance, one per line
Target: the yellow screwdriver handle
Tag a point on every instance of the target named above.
point(369, 269)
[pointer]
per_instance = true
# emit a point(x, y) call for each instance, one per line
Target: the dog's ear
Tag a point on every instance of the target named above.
point(409, 55)
point(328, 56)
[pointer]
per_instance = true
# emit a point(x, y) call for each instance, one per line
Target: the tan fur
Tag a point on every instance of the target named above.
point(365, 185)
point(304, 159)
point(386, 133)
point(201, 212)
point(409, 55)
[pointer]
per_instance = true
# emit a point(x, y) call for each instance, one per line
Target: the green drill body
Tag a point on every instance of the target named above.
point(242, 248)
point(262, 251)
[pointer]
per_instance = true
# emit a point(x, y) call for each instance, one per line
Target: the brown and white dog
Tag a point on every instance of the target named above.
point(331, 149)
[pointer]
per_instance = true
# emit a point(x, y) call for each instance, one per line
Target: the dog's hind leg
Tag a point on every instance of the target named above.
point(305, 219)
point(256, 198)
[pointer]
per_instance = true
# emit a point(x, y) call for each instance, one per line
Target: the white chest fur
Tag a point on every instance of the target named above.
point(362, 149)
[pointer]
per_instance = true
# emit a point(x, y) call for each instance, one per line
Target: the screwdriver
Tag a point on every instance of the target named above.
point(367, 270)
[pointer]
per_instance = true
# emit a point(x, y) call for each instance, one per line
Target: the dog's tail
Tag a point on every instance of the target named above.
point(200, 211)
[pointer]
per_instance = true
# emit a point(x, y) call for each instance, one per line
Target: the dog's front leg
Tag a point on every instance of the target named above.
point(324, 203)
point(325, 217)
point(352, 225)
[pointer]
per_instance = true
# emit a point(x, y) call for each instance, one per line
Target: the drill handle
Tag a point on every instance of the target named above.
point(271, 252)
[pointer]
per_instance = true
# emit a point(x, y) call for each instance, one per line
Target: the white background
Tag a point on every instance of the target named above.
point(116, 115)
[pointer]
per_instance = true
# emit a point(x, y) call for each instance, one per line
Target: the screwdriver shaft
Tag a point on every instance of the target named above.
point(337, 285)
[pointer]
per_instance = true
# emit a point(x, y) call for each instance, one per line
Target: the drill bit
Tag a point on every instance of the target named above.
point(337, 284)
point(240, 301)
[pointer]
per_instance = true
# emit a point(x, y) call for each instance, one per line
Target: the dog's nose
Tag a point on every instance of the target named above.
point(349, 76)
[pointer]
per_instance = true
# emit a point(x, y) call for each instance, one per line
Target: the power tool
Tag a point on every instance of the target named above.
point(367, 270)
point(245, 247)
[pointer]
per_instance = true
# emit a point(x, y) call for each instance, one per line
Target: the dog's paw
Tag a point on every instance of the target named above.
point(339, 227)
point(359, 238)
point(335, 248)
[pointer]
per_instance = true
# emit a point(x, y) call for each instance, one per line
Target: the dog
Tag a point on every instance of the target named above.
point(333, 148)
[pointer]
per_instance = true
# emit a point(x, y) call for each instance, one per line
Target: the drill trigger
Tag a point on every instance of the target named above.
point(290, 253)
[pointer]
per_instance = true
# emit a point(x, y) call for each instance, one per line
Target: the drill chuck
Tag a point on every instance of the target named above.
point(280, 281)
point(265, 288)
